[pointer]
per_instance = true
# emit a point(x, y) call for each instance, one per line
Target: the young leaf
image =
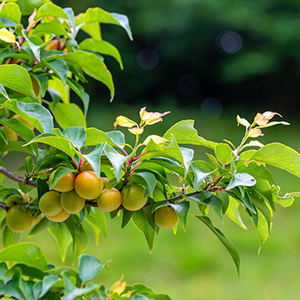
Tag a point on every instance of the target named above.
point(50, 10)
point(230, 248)
point(89, 267)
point(12, 12)
point(280, 156)
point(25, 253)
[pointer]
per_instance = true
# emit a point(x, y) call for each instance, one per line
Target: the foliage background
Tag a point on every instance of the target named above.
point(175, 63)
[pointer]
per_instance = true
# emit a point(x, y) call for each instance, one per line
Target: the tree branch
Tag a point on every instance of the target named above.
point(16, 178)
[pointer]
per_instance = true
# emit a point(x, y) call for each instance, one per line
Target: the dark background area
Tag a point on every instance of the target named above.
point(206, 55)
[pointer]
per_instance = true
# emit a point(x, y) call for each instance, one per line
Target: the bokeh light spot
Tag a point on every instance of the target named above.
point(211, 108)
point(188, 85)
point(231, 42)
point(147, 59)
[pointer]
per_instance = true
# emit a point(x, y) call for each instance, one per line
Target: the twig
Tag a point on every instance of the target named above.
point(16, 178)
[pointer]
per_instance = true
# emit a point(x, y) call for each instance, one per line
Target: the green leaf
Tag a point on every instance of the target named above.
point(12, 12)
point(17, 78)
point(3, 92)
point(150, 181)
point(116, 159)
point(230, 248)
point(12, 288)
point(69, 115)
point(94, 158)
point(280, 156)
point(96, 218)
point(39, 227)
point(71, 291)
point(78, 89)
point(93, 66)
point(9, 237)
point(34, 113)
point(58, 142)
point(199, 176)
point(97, 14)
point(223, 153)
point(185, 133)
point(233, 212)
point(95, 136)
point(76, 135)
point(187, 155)
point(62, 236)
point(50, 10)
point(89, 267)
point(181, 209)
point(50, 28)
point(25, 253)
point(102, 47)
point(59, 67)
point(241, 179)
point(33, 47)
point(140, 221)
point(48, 282)
point(263, 229)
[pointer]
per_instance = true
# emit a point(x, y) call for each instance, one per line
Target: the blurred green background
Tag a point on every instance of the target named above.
point(207, 61)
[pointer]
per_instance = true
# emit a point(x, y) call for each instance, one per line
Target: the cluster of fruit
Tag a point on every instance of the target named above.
point(69, 196)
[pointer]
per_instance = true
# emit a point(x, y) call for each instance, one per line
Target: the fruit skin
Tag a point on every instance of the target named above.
point(109, 200)
point(19, 220)
point(133, 198)
point(64, 184)
point(88, 185)
point(105, 181)
point(13, 200)
point(71, 202)
point(53, 45)
point(62, 216)
point(165, 217)
point(87, 167)
point(50, 203)
point(36, 219)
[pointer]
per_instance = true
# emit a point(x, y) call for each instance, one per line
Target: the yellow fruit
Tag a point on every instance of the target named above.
point(133, 198)
point(87, 167)
point(53, 45)
point(65, 183)
point(165, 217)
point(71, 202)
point(13, 200)
point(19, 220)
point(88, 185)
point(62, 216)
point(109, 200)
point(50, 203)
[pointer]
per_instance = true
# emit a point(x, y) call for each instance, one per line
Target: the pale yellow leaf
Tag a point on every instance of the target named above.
point(156, 139)
point(255, 132)
point(136, 130)
point(150, 118)
point(124, 122)
point(242, 121)
point(7, 36)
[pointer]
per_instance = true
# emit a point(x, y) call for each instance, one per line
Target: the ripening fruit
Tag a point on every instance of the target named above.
point(88, 185)
point(71, 202)
point(50, 203)
point(19, 220)
point(109, 200)
point(62, 216)
point(87, 167)
point(53, 45)
point(165, 217)
point(105, 181)
point(133, 198)
point(14, 200)
point(64, 184)
point(10, 134)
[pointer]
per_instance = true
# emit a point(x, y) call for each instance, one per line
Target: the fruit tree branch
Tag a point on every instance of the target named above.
point(12, 176)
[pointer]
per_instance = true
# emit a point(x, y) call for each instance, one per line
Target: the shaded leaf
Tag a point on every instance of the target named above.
point(89, 267)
